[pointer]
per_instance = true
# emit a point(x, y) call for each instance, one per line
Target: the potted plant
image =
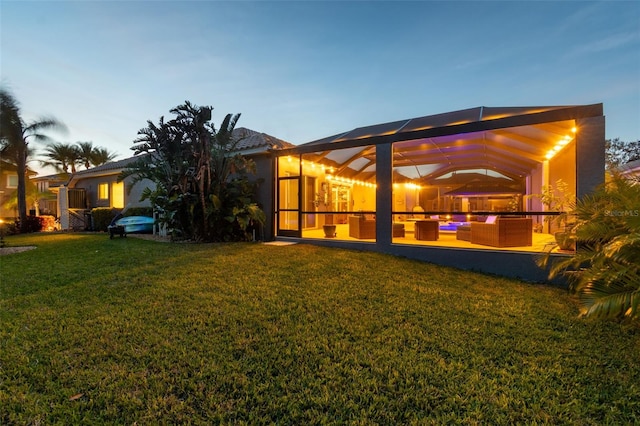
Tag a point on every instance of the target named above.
point(515, 203)
point(323, 204)
point(560, 199)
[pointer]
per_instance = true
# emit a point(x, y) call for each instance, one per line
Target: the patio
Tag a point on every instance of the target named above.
point(461, 166)
point(541, 242)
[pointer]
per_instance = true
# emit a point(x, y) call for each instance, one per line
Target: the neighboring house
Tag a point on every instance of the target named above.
point(8, 187)
point(631, 169)
point(47, 186)
point(99, 186)
point(102, 189)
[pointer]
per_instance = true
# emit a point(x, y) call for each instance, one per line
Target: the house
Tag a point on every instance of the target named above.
point(428, 187)
point(8, 188)
point(260, 147)
point(631, 169)
point(457, 189)
point(96, 187)
point(47, 187)
point(99, 186)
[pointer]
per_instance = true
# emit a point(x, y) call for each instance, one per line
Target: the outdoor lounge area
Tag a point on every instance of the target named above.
point(508, 234)
point(466, 180)
point(539, 241)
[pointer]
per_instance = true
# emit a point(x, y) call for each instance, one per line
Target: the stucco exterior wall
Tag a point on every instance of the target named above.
point(265, 192)
point(132, 199)
point(133, 194)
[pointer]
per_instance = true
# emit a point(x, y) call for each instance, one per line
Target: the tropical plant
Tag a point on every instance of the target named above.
point(515, 203)
point(15, 135)
point(62, 157)
point(605, 271)
point(560, 201)
point(201, 189)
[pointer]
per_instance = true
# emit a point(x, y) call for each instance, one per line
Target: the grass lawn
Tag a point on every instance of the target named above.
point(128, 331)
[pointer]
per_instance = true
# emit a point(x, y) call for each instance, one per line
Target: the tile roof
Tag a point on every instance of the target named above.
point(250, 140)
point(113, 165)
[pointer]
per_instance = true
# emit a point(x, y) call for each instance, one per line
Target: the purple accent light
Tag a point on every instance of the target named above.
point(452, 226)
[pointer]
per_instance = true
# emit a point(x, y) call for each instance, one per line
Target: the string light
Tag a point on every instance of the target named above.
point(559, 145)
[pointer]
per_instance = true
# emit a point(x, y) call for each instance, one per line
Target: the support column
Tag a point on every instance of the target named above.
point(384, 201)
point(63, 208)
point(590, 154)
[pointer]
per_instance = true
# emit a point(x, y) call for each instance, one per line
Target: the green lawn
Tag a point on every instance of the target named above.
point(127, 331)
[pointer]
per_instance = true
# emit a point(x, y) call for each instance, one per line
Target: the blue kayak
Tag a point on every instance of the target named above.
point(136, 224)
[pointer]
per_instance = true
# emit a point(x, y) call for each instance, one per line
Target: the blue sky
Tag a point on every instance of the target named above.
point(301, 71)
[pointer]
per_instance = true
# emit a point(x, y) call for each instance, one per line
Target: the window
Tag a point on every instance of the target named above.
point(103, 191)
point(118, 195)
point(12, 181)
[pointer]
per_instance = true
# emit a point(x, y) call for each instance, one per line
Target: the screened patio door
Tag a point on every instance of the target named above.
point(289, 206)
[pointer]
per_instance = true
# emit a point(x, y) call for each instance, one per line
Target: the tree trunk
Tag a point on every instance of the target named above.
point(22, 186)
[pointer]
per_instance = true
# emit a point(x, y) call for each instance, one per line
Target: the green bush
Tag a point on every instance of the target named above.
point(9, 227)
point(102, 217)
point(32, 224)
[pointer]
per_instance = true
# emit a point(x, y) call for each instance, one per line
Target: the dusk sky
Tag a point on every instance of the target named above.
point(301, 71)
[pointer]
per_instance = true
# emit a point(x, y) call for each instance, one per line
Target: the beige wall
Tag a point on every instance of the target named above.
point(563, 166)
point(131, 199)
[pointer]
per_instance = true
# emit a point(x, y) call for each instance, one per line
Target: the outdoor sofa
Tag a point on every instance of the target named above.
point(505, 232)
point(362, 228)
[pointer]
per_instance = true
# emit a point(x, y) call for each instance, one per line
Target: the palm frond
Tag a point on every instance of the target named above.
point(605, 270)
point(615, 300)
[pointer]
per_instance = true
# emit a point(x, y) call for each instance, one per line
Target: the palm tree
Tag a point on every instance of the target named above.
point(605, 271)
point(100, 156)
point(90, 155)
point(15, 135)
point(61, 156)
point(85, 150)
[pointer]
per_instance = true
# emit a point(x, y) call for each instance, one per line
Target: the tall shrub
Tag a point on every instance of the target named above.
point(102, 217)
point(202, 191)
